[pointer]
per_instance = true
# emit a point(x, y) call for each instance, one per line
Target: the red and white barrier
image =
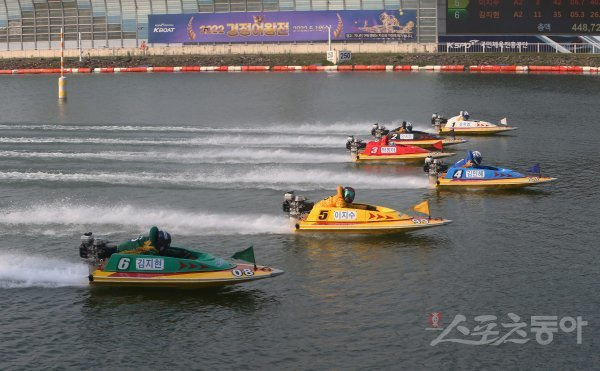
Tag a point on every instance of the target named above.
point(358, 67)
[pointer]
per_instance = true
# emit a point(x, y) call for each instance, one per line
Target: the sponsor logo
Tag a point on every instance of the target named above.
point(150, 264)
point(475, 174)
point(388, 149)
point(344, 215)
point(165, 28)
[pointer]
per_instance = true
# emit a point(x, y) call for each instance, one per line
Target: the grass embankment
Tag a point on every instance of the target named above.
point(549, 59)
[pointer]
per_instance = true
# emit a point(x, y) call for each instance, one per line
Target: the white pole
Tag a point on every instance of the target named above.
point(79, 45)
point(329, 38)
point(62, 81)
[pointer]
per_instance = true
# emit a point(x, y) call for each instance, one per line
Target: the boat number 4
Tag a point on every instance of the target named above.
point(242, 272)
point(123, 264)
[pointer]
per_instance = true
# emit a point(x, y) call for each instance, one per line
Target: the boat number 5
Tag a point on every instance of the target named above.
point(123, 264)
point(242, 272)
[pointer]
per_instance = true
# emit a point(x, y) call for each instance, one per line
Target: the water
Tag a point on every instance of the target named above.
point(208, 157)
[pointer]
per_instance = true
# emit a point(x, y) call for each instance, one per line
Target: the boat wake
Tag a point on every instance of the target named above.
point(215, 156)
point(261, 177)
point(67, 219)
point(291, 128)
point(17, 271)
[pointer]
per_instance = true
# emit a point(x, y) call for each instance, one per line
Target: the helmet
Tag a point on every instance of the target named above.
point(349, 194)
point(409, 126)
point(476, 155)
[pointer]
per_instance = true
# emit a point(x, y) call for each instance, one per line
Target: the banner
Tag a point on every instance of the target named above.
point(282, 26)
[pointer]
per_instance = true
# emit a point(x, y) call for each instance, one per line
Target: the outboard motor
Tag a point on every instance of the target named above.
point(354, 145)
point(95, 249)
point(378, 131)
point(296, 206)
point(433, 167)
point(437, 121)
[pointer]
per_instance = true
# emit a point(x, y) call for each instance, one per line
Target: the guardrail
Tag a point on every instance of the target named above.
point(516, 47)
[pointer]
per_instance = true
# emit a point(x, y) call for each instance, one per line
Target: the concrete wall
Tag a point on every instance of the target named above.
point(223, 49)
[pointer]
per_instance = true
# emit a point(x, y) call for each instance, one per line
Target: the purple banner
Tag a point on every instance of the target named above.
point(282, 26)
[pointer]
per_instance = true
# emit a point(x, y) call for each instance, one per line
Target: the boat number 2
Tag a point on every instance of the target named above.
point(242, 272)
point(123, 264)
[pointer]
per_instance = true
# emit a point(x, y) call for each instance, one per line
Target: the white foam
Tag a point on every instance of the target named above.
point(17, 270)
point(265, 177)
point(219, 155)
point(271, 141)
point(57, 216)
point(291, 128)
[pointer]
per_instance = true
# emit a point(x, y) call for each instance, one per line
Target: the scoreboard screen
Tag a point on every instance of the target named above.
point(552, 17)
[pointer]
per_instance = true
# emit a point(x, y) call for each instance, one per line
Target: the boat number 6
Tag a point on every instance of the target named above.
point(123, 264)
point(242, 272)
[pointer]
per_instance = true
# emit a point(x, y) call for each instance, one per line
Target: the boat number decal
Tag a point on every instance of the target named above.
point(242, 272)
point(388, 149)
point(323, 214)
point(475, 174)
point(534, 179)
point(123, 264)
point(407, 136)
point(344, 215)
point(420, 221)
point(457, 174)
point(374, 150)
point(150, 264)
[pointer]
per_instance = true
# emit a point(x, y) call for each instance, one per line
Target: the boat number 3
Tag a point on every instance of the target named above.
point(374, 150)
point(323, 214)
point(420, 221)
point(123, 264)
point(242, 272)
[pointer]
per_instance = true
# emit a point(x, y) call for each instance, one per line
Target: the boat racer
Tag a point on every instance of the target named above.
point(473, 159)
point(155, 243)
point(343, 198)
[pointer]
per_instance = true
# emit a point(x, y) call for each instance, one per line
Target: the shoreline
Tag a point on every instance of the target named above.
point(272, 60)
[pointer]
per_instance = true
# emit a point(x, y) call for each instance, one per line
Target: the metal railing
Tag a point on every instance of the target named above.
point(517, 47)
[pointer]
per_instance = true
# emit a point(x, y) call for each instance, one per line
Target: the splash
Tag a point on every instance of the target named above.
point(262, 177)
point(219, 156)
point(18, 270)
point(271, 141)
point(129, 217)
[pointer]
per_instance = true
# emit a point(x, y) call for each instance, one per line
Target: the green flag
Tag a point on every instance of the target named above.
point(246, 255)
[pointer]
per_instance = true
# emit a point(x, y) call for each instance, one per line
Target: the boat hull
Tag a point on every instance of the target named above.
point(239, 274)
point(430, 143)
point(492, 183)
point(391, 227)
point(413, 157)
point(477, 130)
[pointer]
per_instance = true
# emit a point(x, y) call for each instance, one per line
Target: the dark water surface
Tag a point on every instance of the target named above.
point(208, 157)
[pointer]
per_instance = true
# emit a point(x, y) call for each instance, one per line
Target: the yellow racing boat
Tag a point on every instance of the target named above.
point(462, 125)
point(324, 217)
